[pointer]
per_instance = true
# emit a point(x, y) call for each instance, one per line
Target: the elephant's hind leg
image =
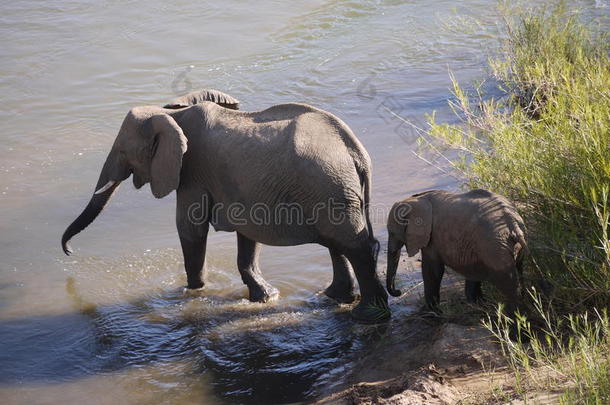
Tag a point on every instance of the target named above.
point(507, 281)
point(247, 263)
point(373, 306)
point(473, 291)
point(342, 287)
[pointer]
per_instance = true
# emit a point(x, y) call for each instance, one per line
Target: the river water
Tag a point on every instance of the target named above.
point(111, 323)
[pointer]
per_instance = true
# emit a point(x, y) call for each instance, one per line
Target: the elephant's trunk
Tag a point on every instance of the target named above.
point(393, 259)
point(111, 176)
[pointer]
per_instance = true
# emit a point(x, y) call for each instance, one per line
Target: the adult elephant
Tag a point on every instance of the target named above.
point(288, 175)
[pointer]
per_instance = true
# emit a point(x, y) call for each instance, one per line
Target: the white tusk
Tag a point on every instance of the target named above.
point(106, 187)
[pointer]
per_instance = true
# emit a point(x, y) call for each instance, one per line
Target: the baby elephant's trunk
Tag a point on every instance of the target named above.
point(393, 258)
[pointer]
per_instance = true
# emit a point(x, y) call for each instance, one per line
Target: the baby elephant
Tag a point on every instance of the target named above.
point(479, 234)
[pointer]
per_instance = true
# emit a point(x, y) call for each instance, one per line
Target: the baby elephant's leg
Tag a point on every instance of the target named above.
point(432, 273)
point(473, 291)
point(507, 282)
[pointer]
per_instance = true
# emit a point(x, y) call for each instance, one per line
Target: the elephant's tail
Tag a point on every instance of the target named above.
point(365, 180)
point(367, 200)
point(518, 236)
point(520, 249)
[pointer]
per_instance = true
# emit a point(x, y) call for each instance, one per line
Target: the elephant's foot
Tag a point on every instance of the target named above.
point(476, 300)
point(340, 294)
point(190, 292)
point(263, 293)
point(432, 308)
point(372, 311)
point(194, 283)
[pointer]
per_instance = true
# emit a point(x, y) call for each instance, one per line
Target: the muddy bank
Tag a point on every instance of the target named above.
point(423, 358)
point(426, 359)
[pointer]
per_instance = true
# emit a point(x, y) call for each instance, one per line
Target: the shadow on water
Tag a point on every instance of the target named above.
point(254, 353)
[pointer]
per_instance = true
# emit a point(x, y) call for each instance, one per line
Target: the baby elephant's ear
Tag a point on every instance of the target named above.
point(419, 226)
point(196, 97)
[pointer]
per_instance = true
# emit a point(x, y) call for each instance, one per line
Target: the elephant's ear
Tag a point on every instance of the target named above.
point(169, 144)
point(419, 226)
point(138, 182)
point(196, 97)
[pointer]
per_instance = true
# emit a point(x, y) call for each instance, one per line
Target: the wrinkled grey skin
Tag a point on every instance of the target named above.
point(478, 234)
point(287, 154)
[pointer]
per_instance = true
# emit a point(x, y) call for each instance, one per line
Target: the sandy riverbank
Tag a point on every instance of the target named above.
point(426, 359)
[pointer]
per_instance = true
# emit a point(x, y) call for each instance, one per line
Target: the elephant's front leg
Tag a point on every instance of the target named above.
point(432, 273)
point(193, 250)
point(247, 263)
point(342, 287)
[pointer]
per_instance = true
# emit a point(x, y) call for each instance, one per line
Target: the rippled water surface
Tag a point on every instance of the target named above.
point(111, 323)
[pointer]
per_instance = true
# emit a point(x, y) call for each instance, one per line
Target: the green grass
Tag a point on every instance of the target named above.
point(566, 352)
point(544, 142)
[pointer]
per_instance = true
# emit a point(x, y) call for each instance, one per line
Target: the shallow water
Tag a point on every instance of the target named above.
point(111, 323)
